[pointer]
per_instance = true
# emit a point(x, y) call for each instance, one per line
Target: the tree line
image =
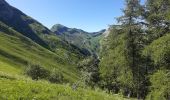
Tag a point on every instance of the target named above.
point(135, 57)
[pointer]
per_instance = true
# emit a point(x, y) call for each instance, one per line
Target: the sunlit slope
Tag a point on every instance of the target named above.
point(34, 30)
point(19, 89)
point(17, 51)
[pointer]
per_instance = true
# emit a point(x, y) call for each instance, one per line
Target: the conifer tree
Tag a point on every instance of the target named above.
point(158, 18)
point(132, 28)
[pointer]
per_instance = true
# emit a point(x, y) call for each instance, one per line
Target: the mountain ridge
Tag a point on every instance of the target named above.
point(88, 41)
point(26, 41)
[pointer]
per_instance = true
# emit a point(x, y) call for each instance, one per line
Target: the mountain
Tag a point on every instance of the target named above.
point(85, 40)
point(17, 19)
point(16, 51)
point(25, 41)
point(34, 61)
point(60, 29)
point(34, 30)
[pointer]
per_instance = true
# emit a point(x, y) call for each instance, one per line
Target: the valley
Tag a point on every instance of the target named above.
point(127, 61)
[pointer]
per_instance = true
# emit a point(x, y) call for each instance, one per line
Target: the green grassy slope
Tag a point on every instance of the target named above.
point(38, 33)
point(17, 19)
point(17, 51)
point(19, 89)
point(14, 85)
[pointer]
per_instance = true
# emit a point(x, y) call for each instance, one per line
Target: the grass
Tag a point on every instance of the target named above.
point(5, 67)
point(20, 89)
point(17, 51)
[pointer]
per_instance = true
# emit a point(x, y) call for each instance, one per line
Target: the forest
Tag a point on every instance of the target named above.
point(135, 56)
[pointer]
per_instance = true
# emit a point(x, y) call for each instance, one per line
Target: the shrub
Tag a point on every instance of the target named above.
point(160, 86)
point(89, 71)
point(56, 77)
point(37, 72)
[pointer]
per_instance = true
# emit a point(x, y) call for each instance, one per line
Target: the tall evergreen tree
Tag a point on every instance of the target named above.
point(90, 71)
point(130, 23)
point(123, 66)
point(158, 17)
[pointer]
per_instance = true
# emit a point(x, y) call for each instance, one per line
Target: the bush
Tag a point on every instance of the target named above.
point(89, 71)
point(56, 77)
point(37, 72)
point(160, 86)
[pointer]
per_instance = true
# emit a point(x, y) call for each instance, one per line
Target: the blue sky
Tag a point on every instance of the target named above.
point(89, 15)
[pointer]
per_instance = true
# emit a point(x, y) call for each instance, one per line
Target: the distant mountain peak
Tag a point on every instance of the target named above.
point(85, 40)
point(60, 29)
point(59, 25)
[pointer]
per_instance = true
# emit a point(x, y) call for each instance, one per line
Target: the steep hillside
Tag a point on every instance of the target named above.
point(85, 40)
point(37, 32)
point(17, 19)
point(17, 51)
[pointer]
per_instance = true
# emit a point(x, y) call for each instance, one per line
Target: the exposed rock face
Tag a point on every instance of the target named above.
point(106, 33)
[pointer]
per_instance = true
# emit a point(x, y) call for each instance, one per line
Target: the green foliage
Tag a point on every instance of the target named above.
point(42, 90)
point(160, 86)
point(115, 72)
point(122, 67)
point(37, 72)
point(56, 77)
point(90, 71)
point(157, 16)
point(131, 27)
point(159, 51)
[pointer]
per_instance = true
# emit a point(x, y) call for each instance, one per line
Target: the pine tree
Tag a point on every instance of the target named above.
point(130, 23)
point(90, 71)
point(158, 18)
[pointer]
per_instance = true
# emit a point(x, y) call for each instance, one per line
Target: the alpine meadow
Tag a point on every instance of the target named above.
point(128, 60)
